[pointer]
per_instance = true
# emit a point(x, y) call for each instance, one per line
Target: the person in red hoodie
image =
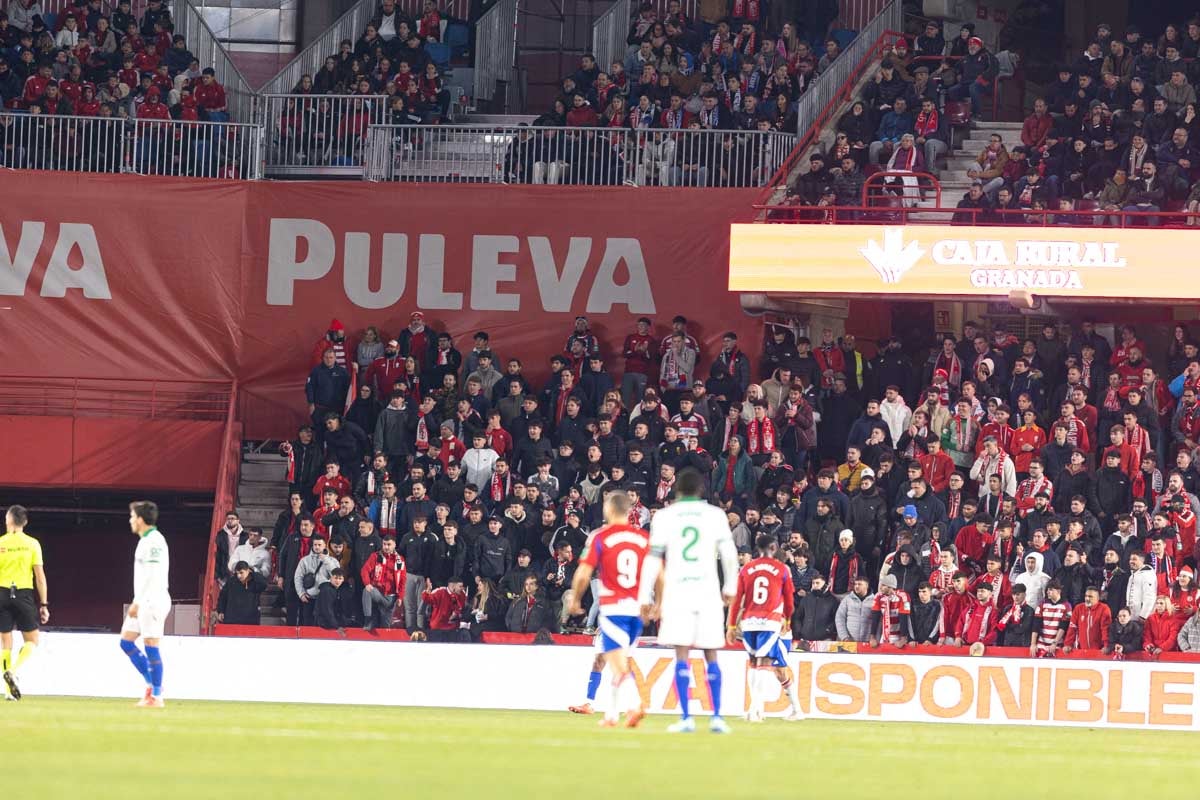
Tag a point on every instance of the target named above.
point(446, 605)
point(332, 480)
point(581, 114)
point(147, 59)
point(335, 339)
point(153, 108)
point(973, 542)
point(1090, 621)
point(936, 466)
point(996, 581)
point(88, 105)
point(383, 577)
point(978, 624)
point(1160, 629)
point(210, 96)
point(955, 606)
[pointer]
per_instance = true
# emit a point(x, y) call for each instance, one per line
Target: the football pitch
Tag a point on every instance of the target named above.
point(73, 748)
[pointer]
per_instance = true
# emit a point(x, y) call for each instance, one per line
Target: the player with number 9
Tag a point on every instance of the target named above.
point(616, 551)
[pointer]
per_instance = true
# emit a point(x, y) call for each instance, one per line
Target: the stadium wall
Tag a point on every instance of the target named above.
point(152, 277)
point(878, 687)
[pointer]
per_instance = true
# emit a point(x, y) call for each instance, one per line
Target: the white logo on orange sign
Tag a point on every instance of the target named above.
point(895, 257)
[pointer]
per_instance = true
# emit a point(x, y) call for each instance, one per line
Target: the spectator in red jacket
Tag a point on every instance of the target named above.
point(1161, 628)
point(332, 480)
point(640, 352)
point(1090, 621)
point(978, 624)
point(383, 577)
point(210, 96)
point(386, 370)
point(955, 606)
point(446, 605)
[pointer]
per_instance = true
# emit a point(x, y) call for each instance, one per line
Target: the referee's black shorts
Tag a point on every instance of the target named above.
point(20, 612)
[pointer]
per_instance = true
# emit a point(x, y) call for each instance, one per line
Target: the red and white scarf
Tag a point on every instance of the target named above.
point(1085, 368)
point(1073, 426)
point(927, 124)
point(387, 514)
point(761, 435)
point(952, 366)
point(664, 490)
point(747, 9)
point(500, 486)
point(422, 432)
point(1112, 400)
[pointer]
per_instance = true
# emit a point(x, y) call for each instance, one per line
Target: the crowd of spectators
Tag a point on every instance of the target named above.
point(93, 61)
point(1115, 132)
point(1034, 492)
point(734, 69)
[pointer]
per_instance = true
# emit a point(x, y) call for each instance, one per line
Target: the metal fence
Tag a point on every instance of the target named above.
point(587, 156)
point(306, 132)
point(205, 46)
point(148, 147)
point(309, 60)
point(834, 80)
point(609, 31)
point(495, 49)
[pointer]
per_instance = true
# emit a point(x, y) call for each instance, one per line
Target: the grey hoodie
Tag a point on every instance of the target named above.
point(313, 564)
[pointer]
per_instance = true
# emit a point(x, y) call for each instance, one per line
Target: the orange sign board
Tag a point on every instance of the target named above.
point(1087, 263)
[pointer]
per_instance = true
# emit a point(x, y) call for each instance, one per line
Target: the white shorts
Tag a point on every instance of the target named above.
point(700, 628)
point(150, 621)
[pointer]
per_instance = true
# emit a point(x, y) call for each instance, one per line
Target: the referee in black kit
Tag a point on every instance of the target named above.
point(20, 571)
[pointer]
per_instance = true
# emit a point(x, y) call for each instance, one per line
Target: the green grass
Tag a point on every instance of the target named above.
point(97, 749)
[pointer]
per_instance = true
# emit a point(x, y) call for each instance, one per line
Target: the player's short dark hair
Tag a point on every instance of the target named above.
point(763, 542)
point(688, 483)
point(19, 515)
point(146, 510)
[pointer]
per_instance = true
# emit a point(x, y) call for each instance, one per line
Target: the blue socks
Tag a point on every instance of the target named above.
point(593, 685)
point(138, 659)
point(155, 671)
point(714, 686)
point(683, 681)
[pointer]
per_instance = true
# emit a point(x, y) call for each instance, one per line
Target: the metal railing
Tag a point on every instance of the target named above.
point(588, 156)
point(29, 395)
point(309, 60)
point(883, 211)
point(495, 49)
point(308, 131)
point(205, 46)
point(148, 147)
point(608, 33)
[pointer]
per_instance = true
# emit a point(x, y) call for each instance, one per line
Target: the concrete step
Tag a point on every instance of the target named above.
point(264, 517)
point(263, 495)
point(263, 458)
point(274, 470)
point(273, 622)
point(1008, 137)
point(999, 126)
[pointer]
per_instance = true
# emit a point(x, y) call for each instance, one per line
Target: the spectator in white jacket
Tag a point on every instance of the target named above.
point(1143, 587)
point(254, 552)
point(853, 617)
point(1033, 579)
point(895, 412)
point(479, 461)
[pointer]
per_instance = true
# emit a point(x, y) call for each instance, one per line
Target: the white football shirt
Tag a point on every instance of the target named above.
point(689, 536)
point(151, 565)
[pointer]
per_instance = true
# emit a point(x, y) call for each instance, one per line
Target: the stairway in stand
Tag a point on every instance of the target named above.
point(262, 494)
point(953, 176)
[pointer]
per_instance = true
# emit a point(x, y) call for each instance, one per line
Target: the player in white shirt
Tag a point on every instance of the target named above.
point(151, 600)
point(686, 539)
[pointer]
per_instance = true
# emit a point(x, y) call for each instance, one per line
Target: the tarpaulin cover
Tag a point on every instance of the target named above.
point(139, 277)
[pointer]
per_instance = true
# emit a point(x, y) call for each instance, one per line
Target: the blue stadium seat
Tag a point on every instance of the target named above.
point(439, 54)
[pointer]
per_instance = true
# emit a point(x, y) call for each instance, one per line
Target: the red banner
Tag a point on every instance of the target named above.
point(124, 276)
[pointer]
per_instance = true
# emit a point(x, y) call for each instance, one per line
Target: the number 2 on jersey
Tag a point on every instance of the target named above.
point(693, 535)
point(627, 569)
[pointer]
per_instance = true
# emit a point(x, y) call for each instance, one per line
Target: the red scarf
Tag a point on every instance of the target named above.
point(746, 9)
point(953, 503)
point(729, 474)
point(927, 124)
point(1072, 426)
point(1085, 368)
point(291, 471)
point(422, 432)
point(1138, 439)
point(1112, 400)
point(560, 407)
point(902, 162)
point(963, 428)
point(731, 431)
point(500, 486)
point(851, 571)
point(762, 437)
point(664, 490)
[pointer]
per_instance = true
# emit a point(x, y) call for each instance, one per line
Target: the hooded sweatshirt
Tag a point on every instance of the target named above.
point(259, 558)
point(1035, 581)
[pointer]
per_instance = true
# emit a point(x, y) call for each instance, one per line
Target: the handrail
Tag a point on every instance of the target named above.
point(349, 25)
point(983, 217)
point(878, 179)
point(224, 497)
point(205, 45)
point(495, 48)
point(608, 34)
point(833, 87)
